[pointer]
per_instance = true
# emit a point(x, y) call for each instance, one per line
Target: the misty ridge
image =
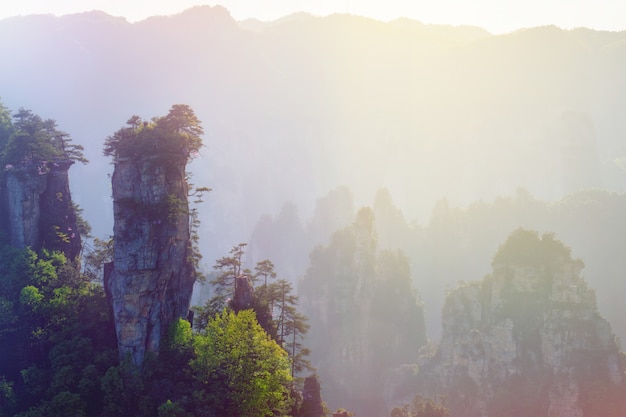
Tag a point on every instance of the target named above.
point(388, 170)
point(469, 135)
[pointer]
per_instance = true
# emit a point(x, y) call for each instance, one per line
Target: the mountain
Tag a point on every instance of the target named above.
point(526, 340)
point(459, 241)
point(302, 105)
point(472, 135)
point(366, 318)
point(150, 279)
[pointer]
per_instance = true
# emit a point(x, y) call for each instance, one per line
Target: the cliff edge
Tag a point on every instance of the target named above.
point(152, 277)
point(36, 210)
point(526, 340)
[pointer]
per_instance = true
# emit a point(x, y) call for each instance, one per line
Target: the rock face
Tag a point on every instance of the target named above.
point(311, 398)
point(526, 340)
point(39, 207)
point(152, 277)
point(365, 318)
point(244, 294)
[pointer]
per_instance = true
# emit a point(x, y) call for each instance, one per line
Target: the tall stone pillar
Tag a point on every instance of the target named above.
point(152, 277)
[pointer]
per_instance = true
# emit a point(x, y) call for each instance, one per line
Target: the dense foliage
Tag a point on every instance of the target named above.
point(29, 138)
point(274, 304)
point(241, 370)
point(36, 155)
point(6, 127)
point(176, 133)
point(67, 360)
point(56, 337)
point(56, 341)
point(58, 353)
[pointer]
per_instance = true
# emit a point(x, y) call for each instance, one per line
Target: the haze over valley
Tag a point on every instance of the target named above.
point(347, 136)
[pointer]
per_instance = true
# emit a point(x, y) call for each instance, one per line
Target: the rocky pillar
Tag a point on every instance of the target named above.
point(152, 278)
point(24, 186)
point(312, 398)
point(58, 222)
point(40, 212)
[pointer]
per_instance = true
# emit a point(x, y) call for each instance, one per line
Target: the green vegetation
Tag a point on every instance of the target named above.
point(167, 210)
point(58, 352)
point(59, 320)
point(245, 352)
point(31, 139)
point(421, 407)
point(274, 304)
point(241, 370)
point(177, 133)
point(66, 364)
point(6, 127)
point(67, 361)
point(30, 149)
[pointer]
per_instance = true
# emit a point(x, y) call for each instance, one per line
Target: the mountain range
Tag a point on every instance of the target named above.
point(296, 107)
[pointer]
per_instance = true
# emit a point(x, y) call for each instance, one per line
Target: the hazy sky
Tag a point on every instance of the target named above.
point(494, 15)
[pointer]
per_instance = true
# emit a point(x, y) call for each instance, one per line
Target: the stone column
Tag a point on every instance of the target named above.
point(152, 278)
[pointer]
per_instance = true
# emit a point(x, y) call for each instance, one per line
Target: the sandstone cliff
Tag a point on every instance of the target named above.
point(39, 209)
point(526, 340)
point(152, 278)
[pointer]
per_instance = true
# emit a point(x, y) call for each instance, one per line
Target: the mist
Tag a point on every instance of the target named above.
point(453, 136)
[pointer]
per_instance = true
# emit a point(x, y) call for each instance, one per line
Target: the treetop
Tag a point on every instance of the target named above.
point(179, 132)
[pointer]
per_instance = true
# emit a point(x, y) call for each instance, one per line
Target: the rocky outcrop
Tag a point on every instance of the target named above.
point(365, 317)
point(243, 298)
point(526, 340)
point(311, 398)
point(39, 207)
point(152, 277)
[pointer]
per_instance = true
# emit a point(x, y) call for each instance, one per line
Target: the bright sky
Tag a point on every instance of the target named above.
point(497, 16)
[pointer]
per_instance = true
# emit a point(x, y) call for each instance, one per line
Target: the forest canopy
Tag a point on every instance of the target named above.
point(28, 137)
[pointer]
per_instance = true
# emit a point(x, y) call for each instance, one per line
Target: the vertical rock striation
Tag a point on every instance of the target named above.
point(59, 222)
point(152, 278)
point(366, 320)
point(526, 340)
point(39, 207)
point(311, 398)
point(23, 188)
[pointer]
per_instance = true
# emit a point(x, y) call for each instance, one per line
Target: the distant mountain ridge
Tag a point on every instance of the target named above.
point(299, 77)
point(442, 117)
point(311, 103)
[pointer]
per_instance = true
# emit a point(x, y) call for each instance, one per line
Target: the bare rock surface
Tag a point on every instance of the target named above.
point(152, 278)
point(527, 338)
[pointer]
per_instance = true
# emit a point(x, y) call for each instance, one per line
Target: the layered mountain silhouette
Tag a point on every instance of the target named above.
point(296, 107)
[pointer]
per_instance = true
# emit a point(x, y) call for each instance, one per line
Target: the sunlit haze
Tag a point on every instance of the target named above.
point(420, 199)
point(495, 16)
